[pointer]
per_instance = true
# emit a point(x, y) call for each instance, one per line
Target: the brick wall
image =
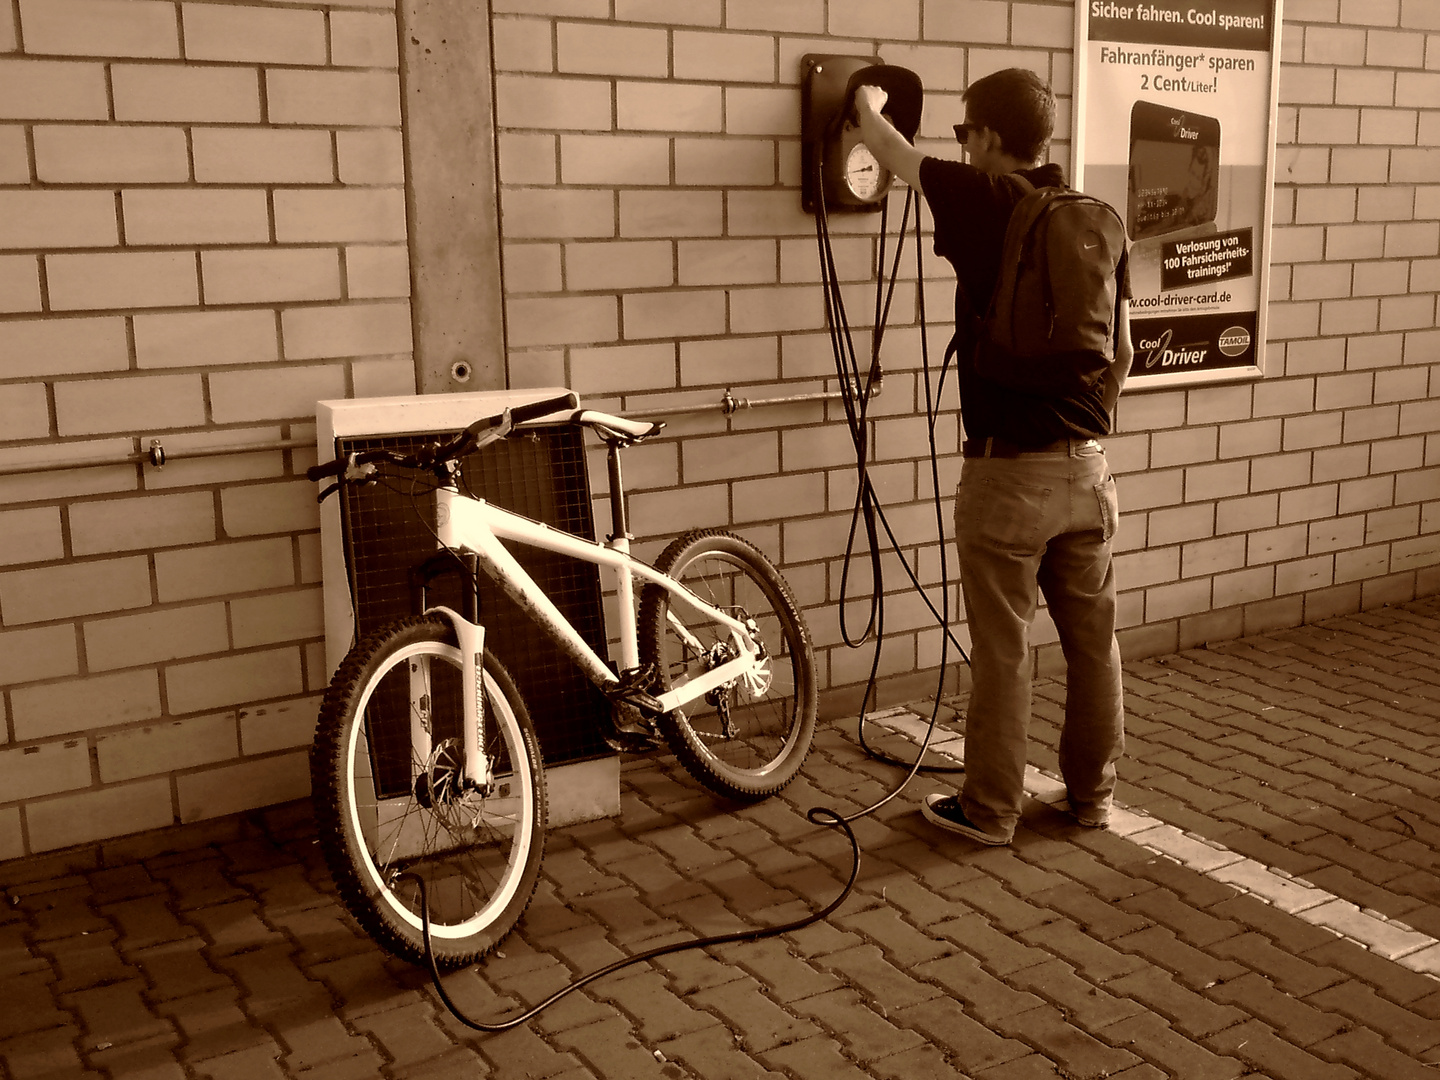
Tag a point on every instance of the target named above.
point(202, 231)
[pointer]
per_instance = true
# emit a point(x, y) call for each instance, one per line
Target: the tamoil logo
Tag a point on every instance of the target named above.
point(1235, 341)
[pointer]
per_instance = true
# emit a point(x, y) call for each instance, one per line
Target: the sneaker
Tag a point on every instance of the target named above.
point(1090, 819)
point(945, 811)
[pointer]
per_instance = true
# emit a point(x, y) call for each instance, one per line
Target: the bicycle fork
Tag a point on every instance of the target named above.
point(476, 766)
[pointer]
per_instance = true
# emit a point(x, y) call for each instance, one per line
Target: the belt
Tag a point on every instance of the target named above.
point(1001, 448)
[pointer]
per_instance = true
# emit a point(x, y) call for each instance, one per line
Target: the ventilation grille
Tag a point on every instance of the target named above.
point(387, 530)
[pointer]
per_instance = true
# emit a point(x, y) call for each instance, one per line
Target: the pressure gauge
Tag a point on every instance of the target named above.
point(864, 176)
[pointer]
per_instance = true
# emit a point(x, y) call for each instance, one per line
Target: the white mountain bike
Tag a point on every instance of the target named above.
point(426, 763)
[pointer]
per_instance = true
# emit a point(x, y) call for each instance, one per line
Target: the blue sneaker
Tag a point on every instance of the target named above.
point(945, 811)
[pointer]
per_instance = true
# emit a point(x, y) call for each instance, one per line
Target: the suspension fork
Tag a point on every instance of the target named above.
point(470, 636)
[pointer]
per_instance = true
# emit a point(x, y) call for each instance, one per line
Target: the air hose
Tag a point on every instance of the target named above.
point(818, 815)
point(868, 511)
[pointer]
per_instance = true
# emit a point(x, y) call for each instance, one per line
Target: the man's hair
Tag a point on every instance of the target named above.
point(1017, 106)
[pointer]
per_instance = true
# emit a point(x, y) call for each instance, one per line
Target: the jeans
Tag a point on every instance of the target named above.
point(1039, 523)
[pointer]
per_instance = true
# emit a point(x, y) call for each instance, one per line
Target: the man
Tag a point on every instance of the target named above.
point(1036, 509)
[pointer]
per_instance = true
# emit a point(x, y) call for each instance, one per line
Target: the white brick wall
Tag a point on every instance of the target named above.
point(202, 231)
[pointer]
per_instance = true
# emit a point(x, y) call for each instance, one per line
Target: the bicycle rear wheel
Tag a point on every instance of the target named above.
point(747, 739)
point(389, 806)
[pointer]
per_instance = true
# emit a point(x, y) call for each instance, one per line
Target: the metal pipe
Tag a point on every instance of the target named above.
point(157, 455)
point(729, 403)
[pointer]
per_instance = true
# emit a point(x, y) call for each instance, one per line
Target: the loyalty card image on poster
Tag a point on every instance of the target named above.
point(1177, 106)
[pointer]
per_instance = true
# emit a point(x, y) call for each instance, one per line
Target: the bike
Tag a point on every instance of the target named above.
point(426, 763)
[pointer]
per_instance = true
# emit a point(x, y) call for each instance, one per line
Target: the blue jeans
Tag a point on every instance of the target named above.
point(1039, 523)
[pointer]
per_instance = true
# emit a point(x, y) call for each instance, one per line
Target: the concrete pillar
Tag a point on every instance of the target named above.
point(452, 195)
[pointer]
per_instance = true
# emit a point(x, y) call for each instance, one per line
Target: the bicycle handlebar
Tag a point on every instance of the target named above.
point(481, 433)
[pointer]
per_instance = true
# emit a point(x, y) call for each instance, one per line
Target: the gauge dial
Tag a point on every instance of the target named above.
point(863, 174)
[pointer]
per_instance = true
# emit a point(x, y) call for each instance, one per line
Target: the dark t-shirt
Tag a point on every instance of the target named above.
point(971, 209)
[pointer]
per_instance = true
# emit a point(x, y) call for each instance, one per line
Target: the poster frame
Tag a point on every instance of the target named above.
point(1140, 380)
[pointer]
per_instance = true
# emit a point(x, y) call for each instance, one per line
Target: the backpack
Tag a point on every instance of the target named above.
point(1050, 326)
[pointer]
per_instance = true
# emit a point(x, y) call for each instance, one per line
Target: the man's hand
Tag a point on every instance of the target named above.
point(871, 98)
point(887, 144)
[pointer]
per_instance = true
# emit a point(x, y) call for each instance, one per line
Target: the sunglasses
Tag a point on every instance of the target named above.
point(963, 131)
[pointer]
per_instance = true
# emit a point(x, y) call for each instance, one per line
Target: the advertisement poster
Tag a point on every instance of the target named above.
point(1175, 105)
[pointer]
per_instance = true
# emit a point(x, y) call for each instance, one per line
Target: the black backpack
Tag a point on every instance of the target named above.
point(1050, 326)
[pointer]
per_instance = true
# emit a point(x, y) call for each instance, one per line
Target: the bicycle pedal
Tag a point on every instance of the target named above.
point(632, 689)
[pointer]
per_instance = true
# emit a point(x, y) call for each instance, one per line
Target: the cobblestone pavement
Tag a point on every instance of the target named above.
point(1268, 904)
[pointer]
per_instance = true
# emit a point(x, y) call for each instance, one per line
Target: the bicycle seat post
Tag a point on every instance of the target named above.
point(619, 540)
point(619, 521)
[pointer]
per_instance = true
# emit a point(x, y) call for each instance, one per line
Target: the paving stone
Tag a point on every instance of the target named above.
point(1097, 917)
point(88, 961)
point(1385, 977)
point(971, 1046)
point(609, 1048)
point(1381, 936)
point(1398, 1026)
point(196, 880)
point(786, 974)
point(51, 1052)
point(1090, 1006)
point(1191, 1014)
point(1165, 908)
point(1074, 1051)
point(922, 1063)
point(406, 1035)
point(1094, 960)
point(316, 1039)
point(818, 1058)
point(763, 1024)
point(716, 1052)
point(214, 1025)
point(1149, 1037)
point(1292, 974)
point(324, 931)
point(520, 1052)
point(233, 927)
point(145, 1060)
point(648, 1000)
point(999, 950)
point(902, 944)
point(990, 1000)
point(147, 921)
point(1196, 969)
point(255, 1063)
point(59, 912)
point(863, 1027)
point(1369, 1055)
point(116, 1013)
point(1298, 1022)
point(1001, 907)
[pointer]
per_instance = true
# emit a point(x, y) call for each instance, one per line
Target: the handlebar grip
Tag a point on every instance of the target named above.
point(329, 468)
point(536, 409)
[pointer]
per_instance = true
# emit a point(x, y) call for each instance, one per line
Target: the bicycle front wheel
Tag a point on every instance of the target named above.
point(393, 800)
point(748, 738)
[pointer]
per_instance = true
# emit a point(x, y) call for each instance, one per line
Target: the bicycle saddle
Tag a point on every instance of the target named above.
point(609, 426)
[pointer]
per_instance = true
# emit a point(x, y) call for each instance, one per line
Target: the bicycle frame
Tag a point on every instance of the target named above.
point(468, 524)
